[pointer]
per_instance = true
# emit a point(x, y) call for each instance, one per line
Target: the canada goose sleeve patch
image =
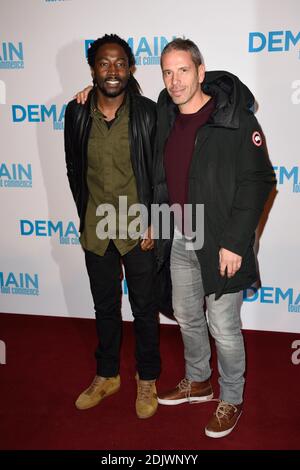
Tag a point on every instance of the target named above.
point(257, 139)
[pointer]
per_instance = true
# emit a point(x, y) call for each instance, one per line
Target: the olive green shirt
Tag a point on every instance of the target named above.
point(109, 175)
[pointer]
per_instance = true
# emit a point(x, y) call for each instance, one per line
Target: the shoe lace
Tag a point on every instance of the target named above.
point(97, 379)
point(223, 411)
point(145, 390)
point(185, 386)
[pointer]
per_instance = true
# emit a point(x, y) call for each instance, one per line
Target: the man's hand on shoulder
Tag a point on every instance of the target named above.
point(82, 96)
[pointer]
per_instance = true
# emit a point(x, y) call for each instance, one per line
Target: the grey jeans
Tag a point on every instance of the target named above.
point(224, 325)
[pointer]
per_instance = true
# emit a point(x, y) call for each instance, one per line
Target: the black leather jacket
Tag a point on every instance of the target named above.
point(142, 123)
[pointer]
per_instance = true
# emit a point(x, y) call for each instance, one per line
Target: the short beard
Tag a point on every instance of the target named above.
point(111, 94)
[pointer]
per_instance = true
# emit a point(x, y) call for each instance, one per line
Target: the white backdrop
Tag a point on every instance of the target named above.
point(42, 64)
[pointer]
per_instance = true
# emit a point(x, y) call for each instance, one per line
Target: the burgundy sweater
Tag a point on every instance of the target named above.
point(179, 151)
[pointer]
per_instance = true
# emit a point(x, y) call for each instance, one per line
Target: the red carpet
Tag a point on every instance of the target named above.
point(50, 360)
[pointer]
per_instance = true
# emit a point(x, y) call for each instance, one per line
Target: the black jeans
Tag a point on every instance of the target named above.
point(105, 273)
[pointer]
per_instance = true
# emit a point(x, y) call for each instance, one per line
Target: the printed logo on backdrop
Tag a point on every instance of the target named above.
point(288, 176)
point(40, 113)
point(274, 41)
point(295, 96)
point(290, 298)
point(56, 1)
point(15, 175)
point(66, 232)
point(146, 50)
point(13, 283)
point(11, 55)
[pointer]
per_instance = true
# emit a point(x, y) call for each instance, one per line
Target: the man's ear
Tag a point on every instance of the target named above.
point(132, 69)
point(201, 73)
point(93, 76)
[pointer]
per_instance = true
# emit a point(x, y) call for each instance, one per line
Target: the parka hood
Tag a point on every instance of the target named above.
point(232, 98)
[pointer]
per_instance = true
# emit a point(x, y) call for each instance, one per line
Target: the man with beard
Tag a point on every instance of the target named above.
point(108, 146)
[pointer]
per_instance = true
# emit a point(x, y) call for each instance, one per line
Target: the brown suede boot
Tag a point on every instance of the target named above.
point(100, 388)
point(146, 401)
